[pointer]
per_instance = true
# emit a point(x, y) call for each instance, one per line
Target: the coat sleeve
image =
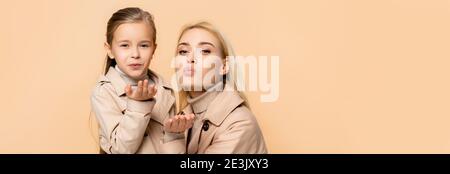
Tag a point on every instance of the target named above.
point(238, 134)
point(120, 132)
point(173, 143)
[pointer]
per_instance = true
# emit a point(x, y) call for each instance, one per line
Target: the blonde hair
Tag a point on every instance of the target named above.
point(122, 16)
point(227, 51)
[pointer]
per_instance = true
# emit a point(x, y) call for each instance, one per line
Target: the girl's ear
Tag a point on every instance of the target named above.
point(108, 50)
point(225, 67)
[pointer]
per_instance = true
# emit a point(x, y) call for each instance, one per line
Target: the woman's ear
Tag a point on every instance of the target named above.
point(225, 67)
point(108, 50)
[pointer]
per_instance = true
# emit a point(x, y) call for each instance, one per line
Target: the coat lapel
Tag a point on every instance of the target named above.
point(164, 100)
point(193, 135)
point(217, 111)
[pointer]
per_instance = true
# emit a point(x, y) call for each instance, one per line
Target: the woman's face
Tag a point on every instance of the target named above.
point(132, 47)
point(199, 60)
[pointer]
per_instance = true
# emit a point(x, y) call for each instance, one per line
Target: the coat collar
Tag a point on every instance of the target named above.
point(119, 84)
point(116, 81)
point(218, 108)
point(164, 96)
point(200, 104)
point(224, 103)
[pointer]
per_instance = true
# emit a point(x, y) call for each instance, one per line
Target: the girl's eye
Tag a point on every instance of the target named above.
point(145, 45)
point(182, 52)
point(204, 52)
point(124, 45)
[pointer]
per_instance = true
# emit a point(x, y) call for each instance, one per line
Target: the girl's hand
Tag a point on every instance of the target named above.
point(179, 123)
point(142, 92)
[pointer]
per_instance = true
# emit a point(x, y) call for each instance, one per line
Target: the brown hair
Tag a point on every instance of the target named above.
point(126, 15)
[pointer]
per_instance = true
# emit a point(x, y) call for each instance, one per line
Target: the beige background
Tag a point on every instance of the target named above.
point(356, 76)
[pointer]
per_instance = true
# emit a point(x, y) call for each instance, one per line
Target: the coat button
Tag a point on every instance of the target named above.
point(205, 126)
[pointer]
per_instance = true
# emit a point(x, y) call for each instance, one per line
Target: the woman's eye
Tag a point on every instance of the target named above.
point(182, 52)
point(124, 45)
point(206, 51)
point(145, 46)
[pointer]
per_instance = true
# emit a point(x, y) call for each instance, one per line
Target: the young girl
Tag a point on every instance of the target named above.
point(223, 123)
point(132, 103)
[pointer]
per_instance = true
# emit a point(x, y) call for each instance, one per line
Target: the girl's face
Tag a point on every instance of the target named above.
point(132, 47)
point(199, 60)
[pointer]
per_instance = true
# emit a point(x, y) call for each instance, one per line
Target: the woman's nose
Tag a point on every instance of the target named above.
point(191, 59)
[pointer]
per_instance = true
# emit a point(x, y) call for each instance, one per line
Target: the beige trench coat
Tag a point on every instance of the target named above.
point(228, 127)
point(129, 126)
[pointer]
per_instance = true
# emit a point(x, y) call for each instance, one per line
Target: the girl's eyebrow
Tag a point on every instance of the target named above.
point(129, 41)
point(123, 41)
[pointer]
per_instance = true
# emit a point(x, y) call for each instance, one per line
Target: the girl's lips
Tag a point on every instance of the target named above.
point(135, 65)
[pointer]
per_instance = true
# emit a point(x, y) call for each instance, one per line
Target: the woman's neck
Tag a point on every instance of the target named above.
point(216, 87)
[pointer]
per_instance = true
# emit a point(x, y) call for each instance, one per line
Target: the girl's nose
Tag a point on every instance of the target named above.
point(135, 54)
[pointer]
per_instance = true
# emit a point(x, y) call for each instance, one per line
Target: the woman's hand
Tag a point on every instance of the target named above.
point(179, 123)
point(142, 92)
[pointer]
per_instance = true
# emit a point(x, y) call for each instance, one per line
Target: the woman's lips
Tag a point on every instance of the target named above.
point(135, 66)
point(187, 71)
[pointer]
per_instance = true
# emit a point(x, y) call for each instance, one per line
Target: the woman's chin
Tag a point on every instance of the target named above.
point(186, 86)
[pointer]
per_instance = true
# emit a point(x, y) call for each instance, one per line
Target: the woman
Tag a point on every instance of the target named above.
point(223, 121)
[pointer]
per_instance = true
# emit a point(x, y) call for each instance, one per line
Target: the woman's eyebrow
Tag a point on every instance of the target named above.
point(207, 43)
point(183, 43)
